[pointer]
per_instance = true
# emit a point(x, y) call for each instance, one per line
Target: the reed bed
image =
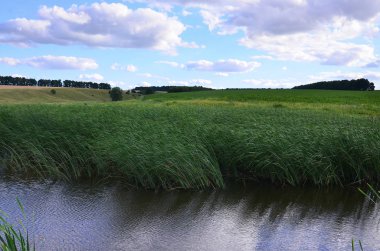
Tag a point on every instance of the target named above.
point(189, 146)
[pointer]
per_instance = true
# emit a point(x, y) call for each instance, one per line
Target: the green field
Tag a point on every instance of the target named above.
point(25, 95)
point(200, 139)
point(353, 102)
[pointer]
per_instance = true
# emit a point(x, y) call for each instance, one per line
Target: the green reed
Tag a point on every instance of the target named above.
point(163, 145)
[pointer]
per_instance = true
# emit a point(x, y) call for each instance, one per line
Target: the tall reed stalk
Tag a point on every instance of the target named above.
point(12, 239)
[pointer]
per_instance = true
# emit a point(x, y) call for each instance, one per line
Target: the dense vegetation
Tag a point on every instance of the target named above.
point(20, 81)
point(197, 143)
point(338, 101)
point(352, 85)
point(169, 89)
point(116, 94)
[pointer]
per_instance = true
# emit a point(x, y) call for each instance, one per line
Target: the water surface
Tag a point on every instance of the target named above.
point(255, 217)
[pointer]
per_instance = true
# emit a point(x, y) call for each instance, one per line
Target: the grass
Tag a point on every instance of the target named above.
point(287, 96)
point(12, 239)
point(158, 143)
point(28, 95)
point(349, 102)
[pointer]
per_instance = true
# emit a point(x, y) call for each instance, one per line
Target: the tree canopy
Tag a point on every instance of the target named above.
point(19, 81)
point(358, 85)
point(170, 89)
point(116, 94)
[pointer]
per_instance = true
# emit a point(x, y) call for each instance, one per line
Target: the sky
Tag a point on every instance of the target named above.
point(217, 44)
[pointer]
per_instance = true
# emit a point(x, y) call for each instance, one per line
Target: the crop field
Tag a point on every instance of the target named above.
point(198, 140)
point(350, 102)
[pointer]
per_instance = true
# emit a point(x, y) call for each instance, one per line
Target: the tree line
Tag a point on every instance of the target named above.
point(20, 81)
point(357, 85)
point(170, 89)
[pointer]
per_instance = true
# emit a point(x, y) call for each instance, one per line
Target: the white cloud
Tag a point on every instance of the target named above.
point(226, 66)
point(91, 77)
point(221, 67)
point(145, 84)
point(10, 61)
point(269, 83)
point(131, 68)
point(18, 76)
point(186, 13)
point(121, 84)
point(323, 31)
point(202, 82)
point(222, 74)
point(150, 75)
point(100, 25)
point(319, 46)
point(54, 62)
point(339, 75)
point(265, 57)
point(119, 67)
point(172, 64)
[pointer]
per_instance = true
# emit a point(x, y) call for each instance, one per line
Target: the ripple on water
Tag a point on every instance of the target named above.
point(84, 217)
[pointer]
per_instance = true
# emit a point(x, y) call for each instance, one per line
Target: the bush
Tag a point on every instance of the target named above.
point(116, 94)
point(52, 91)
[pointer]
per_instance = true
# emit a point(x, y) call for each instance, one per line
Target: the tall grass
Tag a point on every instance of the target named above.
point(12, 239)
point(189, 146)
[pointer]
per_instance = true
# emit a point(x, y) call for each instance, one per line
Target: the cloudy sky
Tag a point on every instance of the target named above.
point(218, 43)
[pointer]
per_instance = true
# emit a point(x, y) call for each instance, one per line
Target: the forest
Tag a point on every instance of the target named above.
point(354, 85)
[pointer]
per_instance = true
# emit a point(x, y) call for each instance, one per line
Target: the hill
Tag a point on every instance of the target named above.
point(16, 94)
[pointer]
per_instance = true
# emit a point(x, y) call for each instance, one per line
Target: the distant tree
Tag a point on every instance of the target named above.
point(355, 85)
point(153, 89)
point(116, 94)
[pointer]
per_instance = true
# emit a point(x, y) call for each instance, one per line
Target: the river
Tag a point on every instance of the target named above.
point(253, 217)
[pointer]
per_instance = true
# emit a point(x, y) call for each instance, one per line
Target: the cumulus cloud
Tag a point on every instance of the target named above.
point(91, 77)
point(98, 24)
point(53, 62)
point(128, 68)
point(302, 30)
point(223, 66)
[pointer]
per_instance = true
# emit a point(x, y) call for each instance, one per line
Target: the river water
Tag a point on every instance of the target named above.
point(253, 217)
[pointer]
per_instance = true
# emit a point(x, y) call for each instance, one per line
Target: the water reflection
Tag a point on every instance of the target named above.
point(84, 217)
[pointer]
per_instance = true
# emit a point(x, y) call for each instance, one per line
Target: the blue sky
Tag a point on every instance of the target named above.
point(219, 44)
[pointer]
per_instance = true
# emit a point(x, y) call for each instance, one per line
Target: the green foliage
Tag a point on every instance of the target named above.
point(52, 91)
point(169, 145)
point(12, 239)
point(373, 195)
point(17, 81)
point(116, 94)
point(357, 85)
point(170, 89)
